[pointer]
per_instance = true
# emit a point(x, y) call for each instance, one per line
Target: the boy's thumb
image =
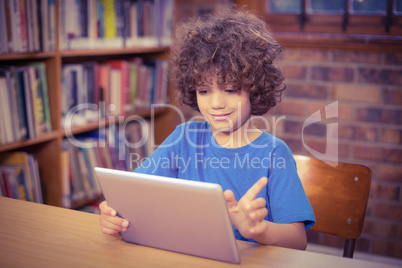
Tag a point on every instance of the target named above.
point(230, 199)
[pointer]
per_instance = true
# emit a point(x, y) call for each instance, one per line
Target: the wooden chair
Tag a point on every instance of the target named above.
point(338, 196)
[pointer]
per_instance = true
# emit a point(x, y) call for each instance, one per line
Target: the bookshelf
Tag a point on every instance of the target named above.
point(47, 147)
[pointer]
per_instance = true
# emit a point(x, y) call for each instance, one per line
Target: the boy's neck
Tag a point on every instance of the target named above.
point(237, 138)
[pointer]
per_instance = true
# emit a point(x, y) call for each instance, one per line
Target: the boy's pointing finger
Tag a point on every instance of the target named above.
point(256, 188)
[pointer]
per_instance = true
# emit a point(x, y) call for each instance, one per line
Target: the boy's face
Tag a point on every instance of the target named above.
point(224, 106)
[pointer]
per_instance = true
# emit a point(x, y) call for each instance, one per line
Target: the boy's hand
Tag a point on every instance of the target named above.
point(109, 222)
point(248, 214)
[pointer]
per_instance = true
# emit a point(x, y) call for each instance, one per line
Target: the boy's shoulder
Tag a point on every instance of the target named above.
point(273, 139)
point(276, 144)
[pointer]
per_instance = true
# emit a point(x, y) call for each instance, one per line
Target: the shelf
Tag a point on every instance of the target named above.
point(91, 126)
point(47, 148)
point(27, 56)
point(120, 51)
point(20, 144)
point(80, 204)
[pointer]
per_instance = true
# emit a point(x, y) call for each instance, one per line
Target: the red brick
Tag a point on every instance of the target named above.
point(385, 192)
point(380, 76)
point(373, 115)
point(337, 74)
point(345, 111)
point(379, 228)
point(392, 155)
point(399, 233)
point(379, 154)
point(362, 244)
point(306, 91)
point(360, 133)
point(289, 107)
point(356, 56)
point(365, 133)
point(346, 131)
point(315, 129)
point(296, 127)
point(364, 152)
point(313, 237)
point(392, 117)
point(293, 127)
point(321, 146)
point(294, 71)
point(391, 136)
point(387, 248)
point(393, 96)
point(393, 58)
point(269, 123)
point(295, 144)
point(332, 241)
point(389, 173)
point(303, 55)
point(378, 115)
point(370, 208)
point(356, 93)
point(388, 211)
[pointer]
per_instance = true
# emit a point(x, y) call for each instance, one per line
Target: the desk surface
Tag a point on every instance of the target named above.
point(34, 235)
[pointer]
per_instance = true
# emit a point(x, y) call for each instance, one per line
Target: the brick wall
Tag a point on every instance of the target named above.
point(368, 88)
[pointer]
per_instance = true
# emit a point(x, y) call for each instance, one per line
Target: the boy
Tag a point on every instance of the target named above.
point(223, 67)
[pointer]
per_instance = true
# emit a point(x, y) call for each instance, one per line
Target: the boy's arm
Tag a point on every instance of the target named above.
point(248, 216)
point(289, 235)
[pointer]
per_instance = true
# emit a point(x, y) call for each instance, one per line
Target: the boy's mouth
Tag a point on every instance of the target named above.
point(220, 117)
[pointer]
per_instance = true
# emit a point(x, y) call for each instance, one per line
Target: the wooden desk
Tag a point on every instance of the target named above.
point(34, 235)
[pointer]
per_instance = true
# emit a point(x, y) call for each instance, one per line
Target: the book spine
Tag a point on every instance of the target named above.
point(20, 97)
point(110, 19)
point(23, 27)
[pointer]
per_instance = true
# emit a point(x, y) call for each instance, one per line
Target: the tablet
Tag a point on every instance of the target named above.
point(172, 214)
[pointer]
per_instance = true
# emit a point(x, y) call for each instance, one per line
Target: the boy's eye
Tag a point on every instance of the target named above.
point(231, 91)
point(202, 91)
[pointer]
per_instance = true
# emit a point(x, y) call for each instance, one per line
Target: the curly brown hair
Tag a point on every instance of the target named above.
point(238, 44)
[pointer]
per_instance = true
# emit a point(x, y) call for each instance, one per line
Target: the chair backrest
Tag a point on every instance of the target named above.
point(338, 195)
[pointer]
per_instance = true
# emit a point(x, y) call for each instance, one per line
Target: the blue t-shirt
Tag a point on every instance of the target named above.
point(192, 153)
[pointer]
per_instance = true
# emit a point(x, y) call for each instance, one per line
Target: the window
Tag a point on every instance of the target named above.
point(348, 16)
point(350, 24)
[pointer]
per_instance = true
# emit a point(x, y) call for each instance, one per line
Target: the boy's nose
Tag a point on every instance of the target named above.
point(218, 101)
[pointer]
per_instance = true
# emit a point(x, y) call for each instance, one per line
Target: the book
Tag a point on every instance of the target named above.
point(36, 182)
point(40, 75)
point(17, 180)
point(37, 102)
point(121, 88)
point(5, 112)
point(3, 28)
point(110, 19)
point(21, 107)
point(25, 83)
point(104, 89)
point(20, 158)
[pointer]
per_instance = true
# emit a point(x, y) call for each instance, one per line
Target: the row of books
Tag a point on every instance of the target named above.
point(87, 24)
point(27, 26)
point(19, 177)
point(24, 102)
point(94, 90)
point(111, 147)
